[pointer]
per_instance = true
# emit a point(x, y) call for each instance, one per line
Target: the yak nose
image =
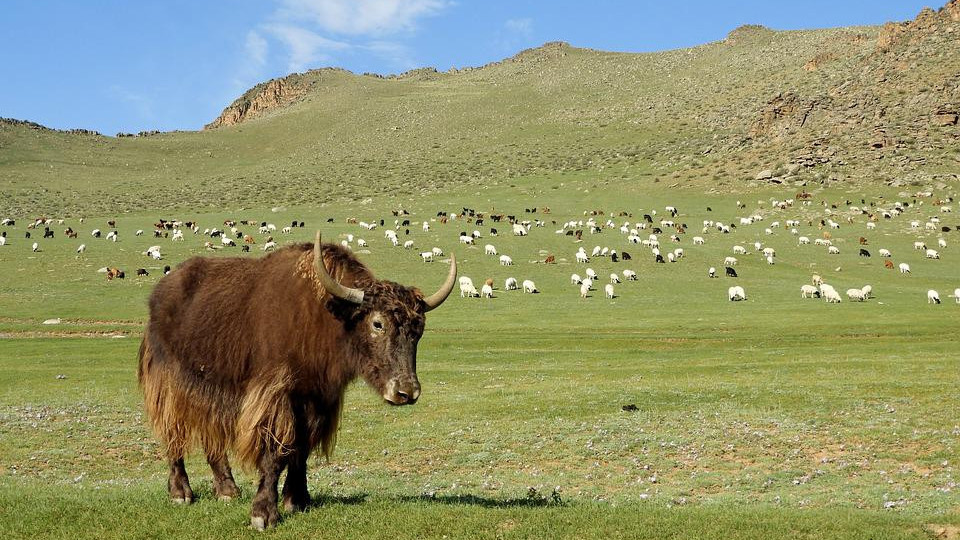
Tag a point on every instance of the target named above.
point(403, 393)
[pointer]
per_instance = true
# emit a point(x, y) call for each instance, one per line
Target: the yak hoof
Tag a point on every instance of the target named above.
point(225, 498)
point(258, 523)
point(180, 500)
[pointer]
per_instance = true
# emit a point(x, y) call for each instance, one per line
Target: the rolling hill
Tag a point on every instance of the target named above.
point(845, 105)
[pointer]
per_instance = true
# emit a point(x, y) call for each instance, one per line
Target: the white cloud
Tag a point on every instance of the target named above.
point(522, 27)
point(360, 17)
point(256, 48)
point(306, 48)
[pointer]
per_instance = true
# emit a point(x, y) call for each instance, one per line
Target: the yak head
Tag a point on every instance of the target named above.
point(385, 321)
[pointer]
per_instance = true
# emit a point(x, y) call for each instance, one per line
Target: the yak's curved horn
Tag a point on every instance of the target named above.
point(434, 300)
point(334, 288)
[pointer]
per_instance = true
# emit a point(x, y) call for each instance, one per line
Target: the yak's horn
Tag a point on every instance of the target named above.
point(434, 300)
point(334, 288)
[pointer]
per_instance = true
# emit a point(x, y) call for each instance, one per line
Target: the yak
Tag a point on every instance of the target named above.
point(252, 357)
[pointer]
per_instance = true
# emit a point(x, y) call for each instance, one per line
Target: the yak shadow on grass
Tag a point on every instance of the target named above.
point(532, 500)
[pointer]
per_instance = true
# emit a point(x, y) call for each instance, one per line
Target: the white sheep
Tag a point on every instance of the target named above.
point(856, 295)
point(286, 230)
point(36, 247)
point(608, 291)
point(614, 278)
point(919, 246)
point(437, 252)
point(730, 261)
point(803, 241)
point(867, 291)
point(584, 289)
point(809, 291)
point(467, 288)
point(698, 240)
point(426, 256)
point(575, 279)
point(712, 272)
point(489, 249)
point(465, 239)
point(426, 227)
point(933, 254)
point(505, 260)
point(933, 297)
point(140, 232)
point(830, 294)
point(770, 259)
point(529, 286)
point(629, 275)
point(956, 294)
point(510, 284)
point(486, 291)
point(833, 250)
point(408, 244)
point(941, 243)
point(591, 274)
point(361, 242)
point(582, 257)
point(736, 293)
point(739, 250)
point(904, 268)
point(884, 252)
point(82, 248)
point(769, 252)
point(816, 280)
point(227, 241)
point(588, 282)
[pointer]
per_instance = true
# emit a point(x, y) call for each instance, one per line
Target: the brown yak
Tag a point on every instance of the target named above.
point(253, 356)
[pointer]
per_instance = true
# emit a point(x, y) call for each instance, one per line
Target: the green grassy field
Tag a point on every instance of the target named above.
point(774, 417)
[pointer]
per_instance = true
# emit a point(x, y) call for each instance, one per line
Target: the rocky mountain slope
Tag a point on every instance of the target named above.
point(836, 106)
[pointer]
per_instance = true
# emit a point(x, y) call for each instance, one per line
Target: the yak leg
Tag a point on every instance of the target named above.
point(223, 485)
point(178, 484)
point(264, 513)
point(296, 498)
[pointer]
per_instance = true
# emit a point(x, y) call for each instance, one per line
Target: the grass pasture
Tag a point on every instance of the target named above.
point(773, 417)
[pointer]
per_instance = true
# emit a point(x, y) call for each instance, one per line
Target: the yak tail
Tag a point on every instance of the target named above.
point(266, 421)
point(177, 417)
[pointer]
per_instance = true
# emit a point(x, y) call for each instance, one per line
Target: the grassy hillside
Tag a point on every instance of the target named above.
point(846, 105)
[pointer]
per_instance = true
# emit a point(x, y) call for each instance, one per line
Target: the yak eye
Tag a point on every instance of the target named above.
point(378, 325)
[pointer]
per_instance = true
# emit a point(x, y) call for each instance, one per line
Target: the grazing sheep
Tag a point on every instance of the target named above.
point(408, 244)
point(809, 291)
point(730, 261)
point(736, 293)
point(904, 268)
point(582, 257)
point(816, 280)
point(486, 291)
point(884, 252)
point(629, 275)
point(468, 290)
point(575, 279)
point(698, 240)
point(739, 250)
point(867, 291)
point(803, 241)
point(712, 272)
point(437, 252)
point(361, 242)
point(426, 256)
point(268, 246)
point(919, 246)
point(591, 274)
point(36, 247)
point(933, 297)
point(588, 282)
point(933, 254)
point(510, 284)
point(227, 241)
point(489, 250)
point(614, 278)
point(830, 294)
point(833, 250)
point(956, 294)
point(769, 252)
point(505, 260)
point(529, 286)
point(856, 295)
point(82, 248)
point(608, 291)
point(584, 289)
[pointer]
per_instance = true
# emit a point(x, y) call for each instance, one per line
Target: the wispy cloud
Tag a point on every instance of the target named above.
point(361, 17)
point(520, 27)
point(305, 47)
point(305, 34)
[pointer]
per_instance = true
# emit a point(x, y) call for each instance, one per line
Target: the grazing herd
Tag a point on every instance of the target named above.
point(663, 238)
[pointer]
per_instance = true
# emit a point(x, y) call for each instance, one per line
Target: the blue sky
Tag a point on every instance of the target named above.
point(121, 65)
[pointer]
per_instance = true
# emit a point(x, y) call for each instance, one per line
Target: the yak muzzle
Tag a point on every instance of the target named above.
point(402, 393)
